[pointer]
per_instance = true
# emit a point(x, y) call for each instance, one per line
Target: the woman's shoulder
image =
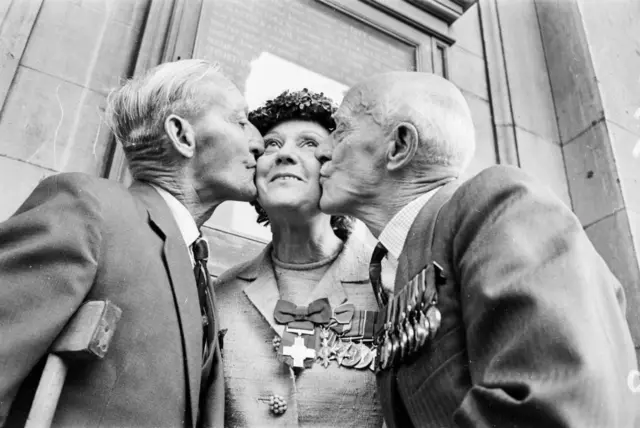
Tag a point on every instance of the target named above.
point(361, 245)
point(353, 263)
point(246, 270)
point(231, 275)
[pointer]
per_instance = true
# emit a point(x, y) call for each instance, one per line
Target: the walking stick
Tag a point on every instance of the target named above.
point(86, 336)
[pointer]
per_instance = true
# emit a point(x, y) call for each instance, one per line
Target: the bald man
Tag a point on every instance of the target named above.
point(502, 313)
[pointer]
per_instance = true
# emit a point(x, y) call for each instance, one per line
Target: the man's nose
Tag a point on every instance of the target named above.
point(256, 143)
point(324, 150)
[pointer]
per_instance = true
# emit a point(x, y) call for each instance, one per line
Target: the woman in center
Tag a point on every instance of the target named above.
point(300, 316)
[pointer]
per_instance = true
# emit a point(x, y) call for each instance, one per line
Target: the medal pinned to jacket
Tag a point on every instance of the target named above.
point(318, 332)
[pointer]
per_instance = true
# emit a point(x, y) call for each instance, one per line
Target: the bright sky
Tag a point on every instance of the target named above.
point(270, 75)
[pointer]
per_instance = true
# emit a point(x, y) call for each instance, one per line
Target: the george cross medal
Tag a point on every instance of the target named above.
point(299, 352)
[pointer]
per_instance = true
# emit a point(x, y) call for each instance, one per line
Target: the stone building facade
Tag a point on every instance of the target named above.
point(553, 85)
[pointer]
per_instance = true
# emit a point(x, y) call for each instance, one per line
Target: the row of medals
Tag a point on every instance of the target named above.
point(411, 319)
point(350, 354)
point(346, 353)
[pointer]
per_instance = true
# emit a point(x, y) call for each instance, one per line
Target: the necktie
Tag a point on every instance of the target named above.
point(375, 271)
point(201, 254)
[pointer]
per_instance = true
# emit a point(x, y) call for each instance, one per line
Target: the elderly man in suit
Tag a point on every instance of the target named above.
point(190, 147)
point(502, 313)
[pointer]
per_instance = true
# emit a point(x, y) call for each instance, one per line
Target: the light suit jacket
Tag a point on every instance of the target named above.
point(319, 397)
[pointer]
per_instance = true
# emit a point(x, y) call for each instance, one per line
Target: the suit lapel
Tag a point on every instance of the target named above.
point(402, 274)
point(263, 291)
point(417, 249)
point(415, 256)
point(416, 253)
point(178, 265)
point(331, 284)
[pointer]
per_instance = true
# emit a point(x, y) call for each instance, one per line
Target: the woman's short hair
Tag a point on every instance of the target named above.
point(136, 111)
point(299, 105)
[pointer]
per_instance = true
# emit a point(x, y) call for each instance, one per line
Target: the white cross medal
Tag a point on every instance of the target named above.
point(299, 352)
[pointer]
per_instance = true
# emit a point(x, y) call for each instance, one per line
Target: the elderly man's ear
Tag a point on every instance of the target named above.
point(181, 134)
point(402, 146)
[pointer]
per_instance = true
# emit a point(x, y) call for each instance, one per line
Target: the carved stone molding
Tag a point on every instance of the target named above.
point(447, 10)
point(500, 94)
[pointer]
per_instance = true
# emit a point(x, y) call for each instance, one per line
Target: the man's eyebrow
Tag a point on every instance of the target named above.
point(241, 111)
point(340, 117)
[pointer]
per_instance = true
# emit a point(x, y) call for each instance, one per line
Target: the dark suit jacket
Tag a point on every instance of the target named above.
point(79, 238)
point(533, 322)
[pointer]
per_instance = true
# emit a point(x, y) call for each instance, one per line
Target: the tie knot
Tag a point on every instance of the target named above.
point(301, 312)
point(200, 249)
point(378, 253)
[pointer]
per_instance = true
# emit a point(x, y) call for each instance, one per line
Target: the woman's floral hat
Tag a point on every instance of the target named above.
point(298, 105)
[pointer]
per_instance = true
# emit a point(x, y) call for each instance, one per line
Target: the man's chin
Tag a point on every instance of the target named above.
point(247, 194)
point(328, 206)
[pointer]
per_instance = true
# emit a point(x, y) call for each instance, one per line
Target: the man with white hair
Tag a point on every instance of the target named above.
point(502, 313)
point(76, 238)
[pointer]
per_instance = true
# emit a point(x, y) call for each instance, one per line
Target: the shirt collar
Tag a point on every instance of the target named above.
point(395, 233)
point(186, 223)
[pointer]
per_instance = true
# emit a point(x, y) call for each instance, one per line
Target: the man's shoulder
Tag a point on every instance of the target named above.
point(497, 191)
point(88, 196)
point(482, 195)
point(499, 176)
point(500, 181)
point(80, 183)
point(69, 190)
point(485, 184)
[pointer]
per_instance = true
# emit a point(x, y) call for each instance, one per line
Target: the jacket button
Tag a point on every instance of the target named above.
point(275, 342)
point(277, 404)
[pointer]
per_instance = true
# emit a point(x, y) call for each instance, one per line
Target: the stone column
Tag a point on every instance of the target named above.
point(521, 99)
point(593, 57)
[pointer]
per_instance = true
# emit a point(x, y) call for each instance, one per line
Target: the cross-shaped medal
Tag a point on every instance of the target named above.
point(299, 352)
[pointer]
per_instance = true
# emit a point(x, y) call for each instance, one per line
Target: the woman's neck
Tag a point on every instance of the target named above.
point(303, 242)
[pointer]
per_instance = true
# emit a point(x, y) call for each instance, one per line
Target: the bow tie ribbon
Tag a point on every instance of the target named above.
point(343, 313)
point(304, 317)
point(341, 318)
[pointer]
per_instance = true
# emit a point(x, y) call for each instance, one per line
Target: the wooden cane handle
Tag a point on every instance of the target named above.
point(48, 393)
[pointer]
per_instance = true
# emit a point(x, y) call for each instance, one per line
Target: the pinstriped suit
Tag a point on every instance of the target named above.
point(533, 322)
